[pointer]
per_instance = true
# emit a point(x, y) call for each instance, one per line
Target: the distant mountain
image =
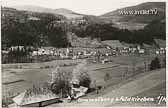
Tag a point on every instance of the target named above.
point(33, 8)
point(65, 12)
point(131, 20)
point(91, 19)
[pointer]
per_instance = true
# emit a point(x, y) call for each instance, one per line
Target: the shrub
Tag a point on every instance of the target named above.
point(164, 62)
point(84, 79)
point(6, 101)
point(61, 85)
point(106, 77)
point(155, 64)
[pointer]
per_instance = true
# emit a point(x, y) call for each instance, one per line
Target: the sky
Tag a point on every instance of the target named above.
point(89, 7)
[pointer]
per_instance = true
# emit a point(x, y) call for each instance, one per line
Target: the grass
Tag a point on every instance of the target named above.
point(159, 90)
point(6, 83)
point(32, 74)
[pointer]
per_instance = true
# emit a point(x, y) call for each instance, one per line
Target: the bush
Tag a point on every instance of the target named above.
point(106, 77)
point(61, 85)
point(155, 64)
point(6, 101)
point(84, 79)
point(164, 62)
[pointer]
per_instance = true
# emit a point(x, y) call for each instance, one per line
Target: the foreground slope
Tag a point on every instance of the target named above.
point(133, 88)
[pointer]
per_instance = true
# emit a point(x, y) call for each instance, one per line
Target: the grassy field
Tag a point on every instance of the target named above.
point(16, 80)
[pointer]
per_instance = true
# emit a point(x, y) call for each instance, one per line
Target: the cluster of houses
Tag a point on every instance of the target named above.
point(66, 53)
point(113, 48)
point(161, 44)
point(117, 46)
point(109, 48)
point(161, 51)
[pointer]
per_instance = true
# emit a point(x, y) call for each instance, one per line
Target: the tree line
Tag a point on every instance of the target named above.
point(33, 32)
point(155, 29)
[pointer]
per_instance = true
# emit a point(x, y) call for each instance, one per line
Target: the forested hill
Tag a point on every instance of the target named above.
point(126, 18)
point(37, 29)
point(30, 28)
point(117, 16)
point(155, 29)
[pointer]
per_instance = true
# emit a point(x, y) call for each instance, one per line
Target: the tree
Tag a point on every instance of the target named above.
point(164, 62)
point(84, 79)
point(106, 77)
point(61, 85)
point(57, 37)
point(155, 64)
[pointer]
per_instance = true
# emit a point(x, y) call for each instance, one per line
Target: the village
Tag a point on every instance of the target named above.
point(109, 48)
point(57, 54)
point(76, 60)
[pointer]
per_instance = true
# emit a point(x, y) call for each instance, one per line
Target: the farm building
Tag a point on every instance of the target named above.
point(14, 48)
point(147, 46)
point(160, 43)
point(161, 51)
point(35, 97)
point(141, 51)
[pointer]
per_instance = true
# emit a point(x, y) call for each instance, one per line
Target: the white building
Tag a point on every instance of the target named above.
point(141, 51)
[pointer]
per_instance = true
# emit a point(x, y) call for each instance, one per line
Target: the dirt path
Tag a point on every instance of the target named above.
point(132, 88)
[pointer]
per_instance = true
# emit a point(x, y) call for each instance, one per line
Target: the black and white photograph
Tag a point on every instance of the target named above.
point(83, 53)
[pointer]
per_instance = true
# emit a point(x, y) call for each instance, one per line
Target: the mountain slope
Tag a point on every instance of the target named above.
point(159, 6)
point(33, 8)
point(68, 13)
point(133, 19)
point(29, 28)
point(65, 12)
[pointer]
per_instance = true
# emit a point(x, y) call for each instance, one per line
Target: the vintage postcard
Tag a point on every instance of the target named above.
point(83, 53)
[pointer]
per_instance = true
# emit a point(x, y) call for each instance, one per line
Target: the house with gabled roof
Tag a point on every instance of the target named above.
point(35, 97)
point(160, 43)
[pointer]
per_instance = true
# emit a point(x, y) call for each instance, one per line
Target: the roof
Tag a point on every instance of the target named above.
point(161, 43)
point(129, 44)
point(113, 43)
point(80, 91)
point(34, 95)
point(148, 46)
